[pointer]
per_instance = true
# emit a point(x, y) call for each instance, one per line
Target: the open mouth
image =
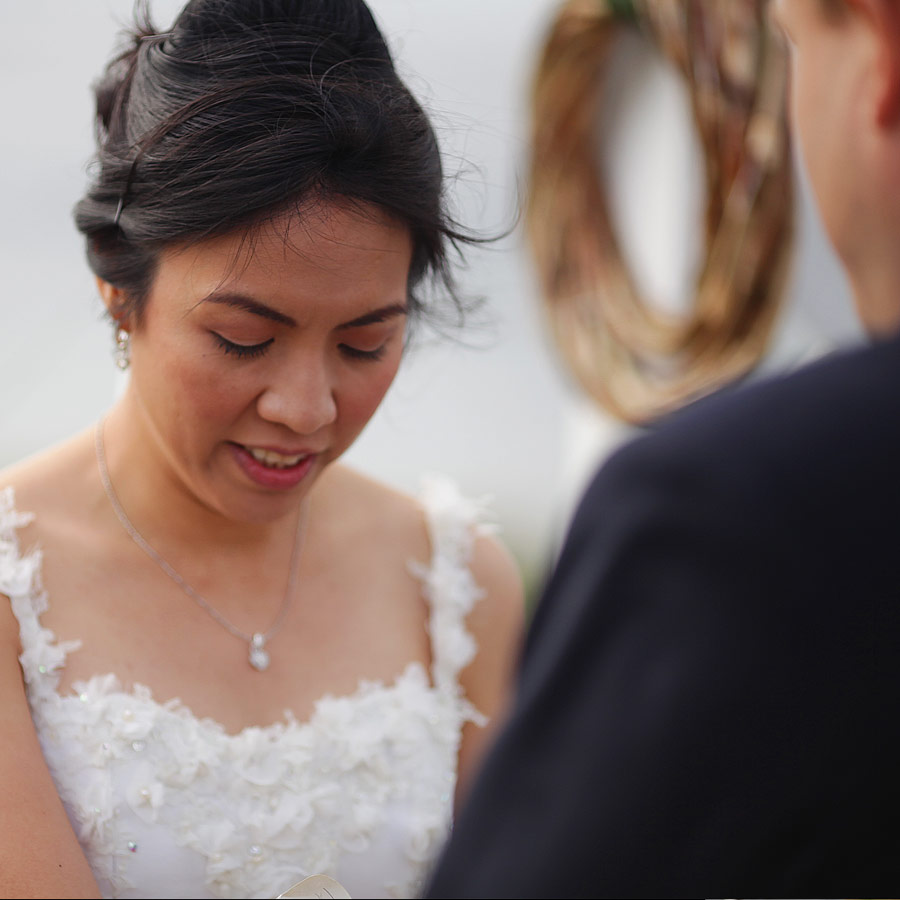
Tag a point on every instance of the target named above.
point(271, 469)
point(272, 460)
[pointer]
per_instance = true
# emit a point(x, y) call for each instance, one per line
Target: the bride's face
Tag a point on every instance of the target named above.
point(260, 357)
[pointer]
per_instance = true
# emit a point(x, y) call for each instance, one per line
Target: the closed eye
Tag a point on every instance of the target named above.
point(356, 353)
point(242, 351)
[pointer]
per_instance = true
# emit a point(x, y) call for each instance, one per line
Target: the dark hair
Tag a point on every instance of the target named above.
point(245, 109)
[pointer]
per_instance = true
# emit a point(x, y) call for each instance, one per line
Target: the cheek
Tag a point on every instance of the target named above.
point(189, 386)
point(362, 396)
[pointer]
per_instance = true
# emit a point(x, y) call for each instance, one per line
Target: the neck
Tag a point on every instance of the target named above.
point(876, 292)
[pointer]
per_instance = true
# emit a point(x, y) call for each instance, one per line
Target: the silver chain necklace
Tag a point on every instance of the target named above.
point(258, 655)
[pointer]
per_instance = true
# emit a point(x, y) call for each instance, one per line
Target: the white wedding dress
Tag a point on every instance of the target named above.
point(169, 805)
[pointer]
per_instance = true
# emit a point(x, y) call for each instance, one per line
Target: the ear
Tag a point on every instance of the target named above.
point(114, 301)
point(883, 17)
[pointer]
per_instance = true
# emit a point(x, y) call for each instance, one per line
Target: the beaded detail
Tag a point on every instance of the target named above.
point(167, 804)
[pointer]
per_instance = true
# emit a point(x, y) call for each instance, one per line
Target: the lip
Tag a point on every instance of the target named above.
point(274, 479)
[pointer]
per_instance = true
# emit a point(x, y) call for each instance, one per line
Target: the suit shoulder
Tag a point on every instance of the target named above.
point(821, 418)
point(795, 476)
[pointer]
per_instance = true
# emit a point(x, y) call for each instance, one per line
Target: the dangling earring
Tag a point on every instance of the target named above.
point(122, 353)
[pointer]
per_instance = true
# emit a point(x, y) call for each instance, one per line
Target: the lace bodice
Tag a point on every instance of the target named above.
point(169, 805)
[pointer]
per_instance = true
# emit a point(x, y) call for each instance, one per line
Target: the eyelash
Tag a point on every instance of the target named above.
point(242, 351)
point(364, 355)
point(254, 351)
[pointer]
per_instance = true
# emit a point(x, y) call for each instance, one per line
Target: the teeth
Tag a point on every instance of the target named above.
point(275, 460)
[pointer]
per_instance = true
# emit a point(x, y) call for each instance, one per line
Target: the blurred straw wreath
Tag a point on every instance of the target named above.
point(634, 358)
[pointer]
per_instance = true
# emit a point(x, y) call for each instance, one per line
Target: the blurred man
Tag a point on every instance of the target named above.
point(709, 702)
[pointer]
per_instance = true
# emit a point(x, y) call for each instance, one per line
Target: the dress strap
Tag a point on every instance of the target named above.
point(453, 522)
point(18, 574)
point(42, 655)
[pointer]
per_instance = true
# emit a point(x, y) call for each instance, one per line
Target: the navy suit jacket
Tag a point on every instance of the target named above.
point(709, 699)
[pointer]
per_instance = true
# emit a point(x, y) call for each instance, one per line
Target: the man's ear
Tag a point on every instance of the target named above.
point(883, 17)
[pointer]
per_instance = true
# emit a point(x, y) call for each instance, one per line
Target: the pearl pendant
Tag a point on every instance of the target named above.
point(259, 657)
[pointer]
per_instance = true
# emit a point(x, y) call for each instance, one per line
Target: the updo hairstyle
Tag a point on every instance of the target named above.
point(247, 109)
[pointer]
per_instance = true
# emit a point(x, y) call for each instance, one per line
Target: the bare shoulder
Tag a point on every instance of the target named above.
point(358, 506)
point(382, 513)
point(42, 491)
point(496, 622)
point(45, 480)
point(497, 625)
point(47, 491)
point(496, 571)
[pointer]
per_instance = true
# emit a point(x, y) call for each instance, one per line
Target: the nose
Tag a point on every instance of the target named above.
point(301, 396)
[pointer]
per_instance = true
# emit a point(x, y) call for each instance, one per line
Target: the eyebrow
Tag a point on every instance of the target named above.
point(248, 304)
point(377, 315)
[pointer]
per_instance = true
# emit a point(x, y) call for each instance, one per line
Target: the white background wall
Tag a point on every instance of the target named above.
point(500, 416)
